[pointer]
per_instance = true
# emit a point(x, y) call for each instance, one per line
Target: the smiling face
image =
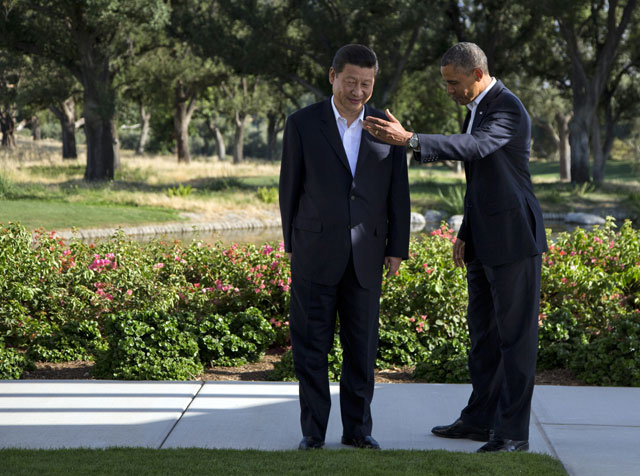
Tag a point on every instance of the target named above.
point(463, 88)
point(352, 88)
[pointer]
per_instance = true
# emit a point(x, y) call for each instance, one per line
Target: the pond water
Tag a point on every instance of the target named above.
point(258, 236)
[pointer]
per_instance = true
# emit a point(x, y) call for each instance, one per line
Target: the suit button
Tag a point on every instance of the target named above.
point(353, 197)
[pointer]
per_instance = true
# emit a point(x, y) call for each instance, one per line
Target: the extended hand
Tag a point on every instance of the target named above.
point(458, 253)
point(392, 264)
point(390, 131)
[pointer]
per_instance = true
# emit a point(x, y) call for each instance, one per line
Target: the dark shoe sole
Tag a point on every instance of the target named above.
point(349, 442)
point(524, 448)
point(463, 436)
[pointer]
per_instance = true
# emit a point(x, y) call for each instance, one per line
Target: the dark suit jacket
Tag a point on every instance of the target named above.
point(502, 218)
point(327, 213)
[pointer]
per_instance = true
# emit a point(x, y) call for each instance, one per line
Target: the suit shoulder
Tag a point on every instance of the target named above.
point(309, 112)
point(506, 98)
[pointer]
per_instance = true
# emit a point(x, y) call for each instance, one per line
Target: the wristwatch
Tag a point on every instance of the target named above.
point(414, 143)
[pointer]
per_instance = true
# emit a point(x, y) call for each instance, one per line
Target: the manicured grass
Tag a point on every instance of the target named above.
point(185, 462)
point(35, 174)
point(434, 187)
point(55, 215)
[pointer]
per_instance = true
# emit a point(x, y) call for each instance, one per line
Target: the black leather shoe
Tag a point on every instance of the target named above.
point(459, 429)
point(310, 443)
point(361, 442)
point(496, 444)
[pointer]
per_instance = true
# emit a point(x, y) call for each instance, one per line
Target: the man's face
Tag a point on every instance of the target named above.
point(352, 88)
point(463, 88)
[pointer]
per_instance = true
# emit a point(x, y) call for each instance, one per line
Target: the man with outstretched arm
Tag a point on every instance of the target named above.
point(501, 241)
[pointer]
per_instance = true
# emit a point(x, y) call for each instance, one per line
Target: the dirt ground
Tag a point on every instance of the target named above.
point(81, 370)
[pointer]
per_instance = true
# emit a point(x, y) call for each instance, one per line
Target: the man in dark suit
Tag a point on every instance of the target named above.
point(501, 240)
point(344, 201)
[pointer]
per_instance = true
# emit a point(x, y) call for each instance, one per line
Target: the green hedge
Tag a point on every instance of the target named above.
point(165, 309)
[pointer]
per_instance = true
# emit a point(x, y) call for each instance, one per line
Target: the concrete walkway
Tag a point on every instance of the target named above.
point(592, 430)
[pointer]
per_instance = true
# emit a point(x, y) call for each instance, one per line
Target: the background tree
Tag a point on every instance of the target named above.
point(592, 32)
point(13, 69)
point(91, 38)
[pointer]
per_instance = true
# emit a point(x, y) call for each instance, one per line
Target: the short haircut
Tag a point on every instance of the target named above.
point(357, 55)
point(467, 57)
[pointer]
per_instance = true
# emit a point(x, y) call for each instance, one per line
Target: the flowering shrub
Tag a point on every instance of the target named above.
point(225, 305)
point(422, 309)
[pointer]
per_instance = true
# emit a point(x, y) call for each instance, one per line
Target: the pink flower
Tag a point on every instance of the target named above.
point(66, 252)
point(564, 280)
point(129, 292)
point(158, 266)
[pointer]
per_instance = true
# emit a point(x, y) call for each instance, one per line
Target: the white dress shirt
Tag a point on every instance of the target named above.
point(473, 105)
point(350, 136)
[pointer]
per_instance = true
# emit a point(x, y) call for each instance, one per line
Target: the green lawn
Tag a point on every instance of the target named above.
point(185, 462)
point(56, 215)
point(50, 193)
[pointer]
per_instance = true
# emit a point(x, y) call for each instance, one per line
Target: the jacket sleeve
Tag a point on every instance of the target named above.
point(495, 131)
point(399, 208)
point(291, 174)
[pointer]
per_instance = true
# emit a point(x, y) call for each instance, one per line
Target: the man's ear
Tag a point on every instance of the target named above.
point(332, 75)
point(478, 74)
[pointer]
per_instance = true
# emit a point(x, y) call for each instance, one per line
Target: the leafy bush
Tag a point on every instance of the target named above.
point(267, 194)
point(147, 345)
point(180, 191)
point(12, 363)
point(611, 358)
point(234, 339)
point(75, 340)
point(446, 364)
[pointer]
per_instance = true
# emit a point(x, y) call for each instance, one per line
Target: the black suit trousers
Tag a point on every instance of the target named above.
point(503, 326)
point(313, 312)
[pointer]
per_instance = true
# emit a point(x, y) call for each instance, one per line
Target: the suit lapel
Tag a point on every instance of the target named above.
point(329, 128)
point(466, 121)
point(484, 105)
point(365, 140)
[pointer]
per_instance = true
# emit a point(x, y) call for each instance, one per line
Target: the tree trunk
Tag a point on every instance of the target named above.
point(99, 113)
point(36, 129)
point(564, 149)
point(238, 138)
point(604, 150)
point(221, 148)
point(579, 142)
point(8, 127)
point(66, 114)
point(184, 107)
point(275, 120)
point(145, 120)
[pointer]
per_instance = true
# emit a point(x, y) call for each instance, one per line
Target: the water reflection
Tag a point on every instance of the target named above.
point(258, 236)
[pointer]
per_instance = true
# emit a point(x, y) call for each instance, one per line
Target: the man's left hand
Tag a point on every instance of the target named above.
point(390, 131)
point(392, 264)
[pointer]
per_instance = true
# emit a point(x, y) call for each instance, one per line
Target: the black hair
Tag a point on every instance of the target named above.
point(467, 57)
point(357, 55)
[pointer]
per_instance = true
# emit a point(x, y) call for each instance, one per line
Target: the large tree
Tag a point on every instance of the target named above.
point(593, 32)
point(92, 39)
